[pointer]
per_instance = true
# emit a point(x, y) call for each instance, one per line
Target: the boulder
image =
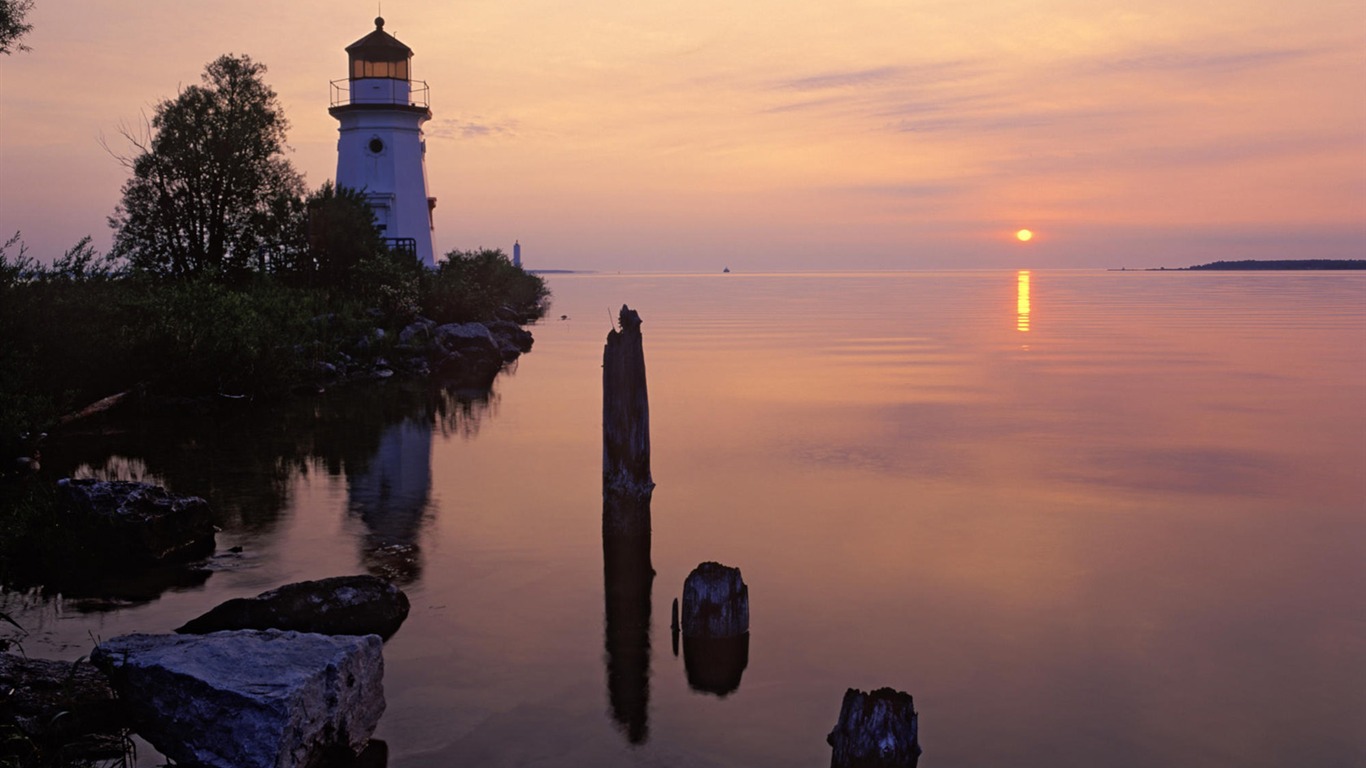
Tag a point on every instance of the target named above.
point(467, 338)
point(416, 334)
point(137, 523)
point(875, 730)
point(715, 602)
point(249, 699)
point(342, 605)
point(511, 334)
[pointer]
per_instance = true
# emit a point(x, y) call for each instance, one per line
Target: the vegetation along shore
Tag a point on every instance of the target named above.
point(229, 282)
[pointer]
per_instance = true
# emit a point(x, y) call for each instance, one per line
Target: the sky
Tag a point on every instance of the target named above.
point(656, 135)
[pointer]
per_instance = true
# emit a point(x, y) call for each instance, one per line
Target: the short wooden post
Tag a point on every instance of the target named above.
point(875, 730)
point(626, 482)
point(714, 622)
point(715, 602)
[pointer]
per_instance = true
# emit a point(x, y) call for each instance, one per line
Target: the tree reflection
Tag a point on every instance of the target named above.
point(245, 461)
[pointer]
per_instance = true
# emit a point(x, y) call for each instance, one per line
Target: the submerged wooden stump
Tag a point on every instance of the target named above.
point(715, 627)
point(715, 602)
point(875, 730)
point(626, 482)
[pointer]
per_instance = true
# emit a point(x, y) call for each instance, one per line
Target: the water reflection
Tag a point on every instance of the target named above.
point(247, 463)
point(715, 664)
point(1022, 301)
point(627, 579)
point(391, 497)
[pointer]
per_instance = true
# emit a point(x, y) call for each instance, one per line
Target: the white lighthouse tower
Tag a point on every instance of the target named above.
point(381, 150)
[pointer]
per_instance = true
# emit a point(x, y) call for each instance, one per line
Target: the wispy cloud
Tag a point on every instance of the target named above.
point(889, 75)
point(1205, 62)
point(851, 79)
point(470, 128)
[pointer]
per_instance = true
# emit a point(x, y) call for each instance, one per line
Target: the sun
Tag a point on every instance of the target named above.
point(1024, 235)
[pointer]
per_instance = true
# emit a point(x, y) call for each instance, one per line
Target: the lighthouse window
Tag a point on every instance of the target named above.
point(376, 146)
point(398, 70)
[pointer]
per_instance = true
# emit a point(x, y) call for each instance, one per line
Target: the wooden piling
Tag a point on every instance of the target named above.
point(875, 730)
point(626, 482)
point(715, 602)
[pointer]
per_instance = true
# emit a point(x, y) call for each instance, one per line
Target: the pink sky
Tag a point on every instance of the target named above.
point(763, 135)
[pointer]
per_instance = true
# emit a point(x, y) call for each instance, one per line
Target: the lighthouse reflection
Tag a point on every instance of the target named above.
point(391, 496)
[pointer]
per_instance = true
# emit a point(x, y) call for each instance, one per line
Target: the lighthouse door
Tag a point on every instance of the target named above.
point(382, 205)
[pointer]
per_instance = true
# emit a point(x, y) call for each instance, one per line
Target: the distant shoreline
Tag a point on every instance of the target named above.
point(1254, 265)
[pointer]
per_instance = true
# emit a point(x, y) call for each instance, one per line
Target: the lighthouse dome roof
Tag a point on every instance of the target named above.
point(379, 46)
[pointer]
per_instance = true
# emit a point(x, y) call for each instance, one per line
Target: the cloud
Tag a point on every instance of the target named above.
point(852, 79)
point(474, 128)
point(1202, 62)
point(910, 191)
point(895, 74)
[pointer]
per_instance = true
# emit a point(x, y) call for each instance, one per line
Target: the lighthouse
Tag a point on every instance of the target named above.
point(381, 150)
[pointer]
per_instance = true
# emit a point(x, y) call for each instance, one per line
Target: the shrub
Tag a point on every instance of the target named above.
point(475, 285)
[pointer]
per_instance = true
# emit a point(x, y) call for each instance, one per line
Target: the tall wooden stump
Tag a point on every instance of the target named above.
point(715, 626)
point(626, 482)
point(875, 730)
point(626, 490)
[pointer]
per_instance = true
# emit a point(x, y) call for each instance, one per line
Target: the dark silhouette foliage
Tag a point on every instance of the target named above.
point(212, 194)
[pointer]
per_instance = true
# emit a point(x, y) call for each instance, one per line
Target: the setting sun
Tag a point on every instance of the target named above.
point(1024, 235)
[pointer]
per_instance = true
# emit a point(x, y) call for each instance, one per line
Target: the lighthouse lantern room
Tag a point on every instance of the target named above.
point(381, 150)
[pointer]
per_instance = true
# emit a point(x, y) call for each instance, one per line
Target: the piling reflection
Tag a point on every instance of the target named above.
point(715, 664)
point(627, 580)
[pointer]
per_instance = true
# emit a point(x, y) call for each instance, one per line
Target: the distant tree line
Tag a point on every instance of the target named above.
point(1283, 264)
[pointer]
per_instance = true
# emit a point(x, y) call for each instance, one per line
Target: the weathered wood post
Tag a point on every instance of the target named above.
point(875, 730)
point(714, 622)
point(626, 482)
point(626, 490)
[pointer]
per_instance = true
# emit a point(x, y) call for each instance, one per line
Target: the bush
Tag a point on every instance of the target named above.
point(475, 285)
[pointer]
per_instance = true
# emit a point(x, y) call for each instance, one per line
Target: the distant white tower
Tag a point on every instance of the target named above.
point(517, 254)
point(381, 150)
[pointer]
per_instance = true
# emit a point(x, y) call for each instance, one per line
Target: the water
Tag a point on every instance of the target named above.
point(1085, 518)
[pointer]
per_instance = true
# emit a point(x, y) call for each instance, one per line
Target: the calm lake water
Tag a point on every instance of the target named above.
point(1085, 518)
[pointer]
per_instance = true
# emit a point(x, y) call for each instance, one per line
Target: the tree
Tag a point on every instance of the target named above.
point(341, 234)
point(211, 193)
point(12, 26)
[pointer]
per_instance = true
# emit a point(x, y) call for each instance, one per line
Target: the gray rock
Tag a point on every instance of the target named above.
point(467, 338)
point(138, 523)
point(342, 605)
point(511, 334)
point(249, 699)
point(417, 333)
point(715, 602)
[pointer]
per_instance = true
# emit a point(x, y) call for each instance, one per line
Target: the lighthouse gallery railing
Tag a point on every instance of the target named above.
point(410, 93)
